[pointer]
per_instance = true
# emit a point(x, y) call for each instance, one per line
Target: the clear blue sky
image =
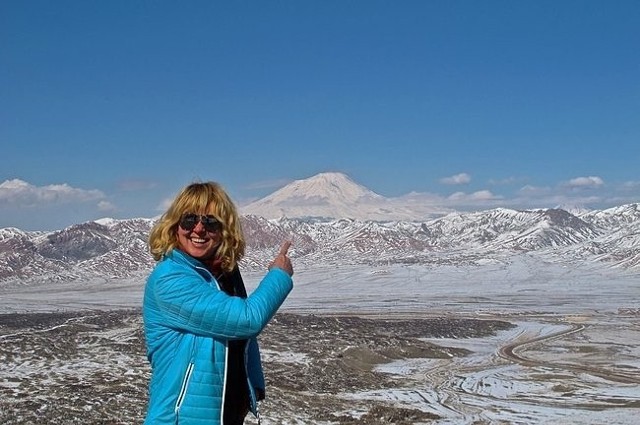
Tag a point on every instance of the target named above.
point(107, 108)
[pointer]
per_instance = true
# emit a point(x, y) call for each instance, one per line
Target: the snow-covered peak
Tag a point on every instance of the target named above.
point(574, 209)
point(106, 221)
point(333, 187)
point(331, 195)
point(11, 232)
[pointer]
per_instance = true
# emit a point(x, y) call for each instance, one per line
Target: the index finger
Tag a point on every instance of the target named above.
point(284, 248)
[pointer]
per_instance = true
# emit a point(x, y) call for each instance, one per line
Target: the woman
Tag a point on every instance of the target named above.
point(200, 325)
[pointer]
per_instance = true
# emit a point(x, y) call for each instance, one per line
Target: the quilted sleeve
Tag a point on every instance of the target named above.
point(188, 303)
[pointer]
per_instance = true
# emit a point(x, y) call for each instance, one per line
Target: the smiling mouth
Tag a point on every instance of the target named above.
point(198, 240)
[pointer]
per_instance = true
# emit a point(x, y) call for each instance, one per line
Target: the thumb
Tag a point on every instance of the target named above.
point(284, 248)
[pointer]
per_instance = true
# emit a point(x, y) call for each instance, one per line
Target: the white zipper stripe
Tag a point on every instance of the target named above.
point(183, 389)
point(224, 379)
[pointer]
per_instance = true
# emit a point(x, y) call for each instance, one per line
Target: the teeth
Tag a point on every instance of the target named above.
point(196, 240)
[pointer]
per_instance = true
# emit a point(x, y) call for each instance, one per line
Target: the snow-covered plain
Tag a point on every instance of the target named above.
point(572, 358)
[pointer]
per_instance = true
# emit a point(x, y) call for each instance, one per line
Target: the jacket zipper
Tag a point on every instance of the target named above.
point(183, 390)
point(253, 397)
point(224, 380)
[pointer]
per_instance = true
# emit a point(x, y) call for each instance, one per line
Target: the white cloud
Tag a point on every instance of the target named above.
point(479, 196)
point(164, 205)
point(583, 191)
point(587, 192)
point(530, 196)
point(585, 182)
point(18, 193)
point(507, 181)
point(462, 178)
point(577, 191)
point(106, 206)
point(484, 195)
point(630, 185)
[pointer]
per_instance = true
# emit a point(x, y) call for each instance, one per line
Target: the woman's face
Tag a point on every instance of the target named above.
point(199, 235)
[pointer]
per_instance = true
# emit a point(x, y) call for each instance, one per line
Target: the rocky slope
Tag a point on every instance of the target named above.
point(117, 248)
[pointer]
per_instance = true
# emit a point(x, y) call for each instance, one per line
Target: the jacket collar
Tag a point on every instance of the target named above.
point(182, 257)
point(185, 259)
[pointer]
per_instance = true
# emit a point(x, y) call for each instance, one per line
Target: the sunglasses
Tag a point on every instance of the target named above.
point(190, 221)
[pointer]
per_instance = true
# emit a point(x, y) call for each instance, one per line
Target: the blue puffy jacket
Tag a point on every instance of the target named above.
point(188, 321)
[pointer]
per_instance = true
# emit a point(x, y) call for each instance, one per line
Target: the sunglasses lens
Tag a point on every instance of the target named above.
point(189, 221)
point(211, 223)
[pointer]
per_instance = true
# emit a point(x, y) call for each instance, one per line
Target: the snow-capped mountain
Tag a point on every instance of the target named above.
point(110, 249)
point(335, 195)
point(114, 249)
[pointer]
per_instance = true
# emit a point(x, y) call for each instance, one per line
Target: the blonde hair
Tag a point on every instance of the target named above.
point(201, 198)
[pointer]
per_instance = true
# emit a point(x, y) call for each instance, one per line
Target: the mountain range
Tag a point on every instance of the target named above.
point(334, 221)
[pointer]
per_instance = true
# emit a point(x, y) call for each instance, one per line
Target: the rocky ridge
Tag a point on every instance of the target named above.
point(118, 248)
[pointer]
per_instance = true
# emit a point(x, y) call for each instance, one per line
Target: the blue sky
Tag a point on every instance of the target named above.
point(108, 108)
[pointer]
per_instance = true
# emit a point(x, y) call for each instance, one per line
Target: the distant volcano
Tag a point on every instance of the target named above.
point(332, 195)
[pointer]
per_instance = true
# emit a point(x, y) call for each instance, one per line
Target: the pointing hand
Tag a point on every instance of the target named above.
point(282, 261)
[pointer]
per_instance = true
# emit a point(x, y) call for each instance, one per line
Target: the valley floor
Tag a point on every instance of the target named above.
point(90, 368)
point(514, 342)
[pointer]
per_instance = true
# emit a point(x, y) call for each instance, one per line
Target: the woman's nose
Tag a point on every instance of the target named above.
point(199, 227)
